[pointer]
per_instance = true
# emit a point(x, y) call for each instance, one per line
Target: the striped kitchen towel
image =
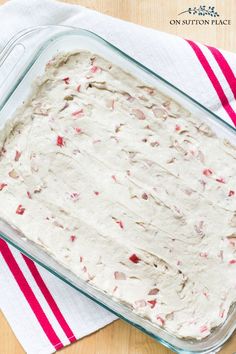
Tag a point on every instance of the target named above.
point(45, 313)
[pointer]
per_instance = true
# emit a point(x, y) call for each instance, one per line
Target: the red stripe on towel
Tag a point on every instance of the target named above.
point(215, 82)
point(29, 295)
point(49, 298)
point(225, 68)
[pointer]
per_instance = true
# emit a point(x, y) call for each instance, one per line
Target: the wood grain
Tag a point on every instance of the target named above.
point(119, 337)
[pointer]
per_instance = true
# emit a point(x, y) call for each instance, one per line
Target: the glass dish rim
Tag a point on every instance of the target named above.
point(69, 30)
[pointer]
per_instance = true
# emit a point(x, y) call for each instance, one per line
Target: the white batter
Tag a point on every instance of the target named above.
point(126, 189)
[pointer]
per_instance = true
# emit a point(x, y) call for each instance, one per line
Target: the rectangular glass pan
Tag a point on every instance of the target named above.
point(26, 55)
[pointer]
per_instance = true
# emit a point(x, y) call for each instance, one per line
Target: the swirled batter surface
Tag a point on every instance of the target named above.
point(127, 189)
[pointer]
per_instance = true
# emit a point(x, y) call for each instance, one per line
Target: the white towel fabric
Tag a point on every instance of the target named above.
point(45, 313)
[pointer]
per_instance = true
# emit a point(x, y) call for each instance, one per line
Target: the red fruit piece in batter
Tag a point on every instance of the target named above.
point(29, 195)
point(114, 178)
point(177, 127)
point(145, 196)
point(73, 238)
point(78, 113)
point(152, 303)
point(220, 180)
point(17, 155)
point(221, 313)
point(114, 289)
point(2, 185)
point(75, 196)
point(120, 223)
point(20, 210)
point(231, 193)
point(232, 261)
point(95, 69)
point(203, 328)
point(135, 259)
point(207, 172)
point(119, 276)
point(66, 80)
point(160, 321)
point(60, 141)
point(96, 193)
point(203, 254)
point(138, 113)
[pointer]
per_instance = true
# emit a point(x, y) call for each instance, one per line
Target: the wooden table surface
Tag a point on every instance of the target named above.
point(119, 337)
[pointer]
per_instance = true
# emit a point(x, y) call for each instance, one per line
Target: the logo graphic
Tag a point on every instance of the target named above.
point(201, 11)
point(204, 16)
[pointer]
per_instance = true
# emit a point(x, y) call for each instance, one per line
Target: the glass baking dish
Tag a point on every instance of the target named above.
point(24, 58)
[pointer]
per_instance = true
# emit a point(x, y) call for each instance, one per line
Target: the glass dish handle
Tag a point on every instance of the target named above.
point(13, 42)
point(18, 52)
point(13, 52)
